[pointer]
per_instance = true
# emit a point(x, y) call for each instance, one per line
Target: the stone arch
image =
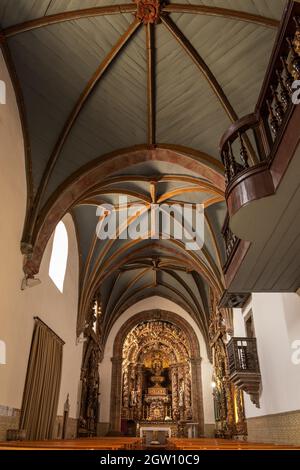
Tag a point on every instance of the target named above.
point(116, 375)
point(77, 187)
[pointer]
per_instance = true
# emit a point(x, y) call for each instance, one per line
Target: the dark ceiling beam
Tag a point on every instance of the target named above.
point(202, 66)
point(188, 289)
point(124, 292)
point(221, 12)
point(198, 319)
point(155, 179)
point(105, 308)
point(210, 77)
point(151, 86)
point(68, 16)
point(125, 297)
point(215, 241)
point(86, 93)
point(131, 8)
point(77, 186)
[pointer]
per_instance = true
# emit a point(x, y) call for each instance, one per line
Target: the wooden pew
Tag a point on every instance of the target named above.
point(222, 444)
point(105, 443)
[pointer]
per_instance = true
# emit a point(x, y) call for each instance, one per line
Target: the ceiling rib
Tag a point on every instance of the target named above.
point(202, 66)
point(131, 8)
point(205, 70)
point(94, 80)
point(223, 12)
point(68, 16)
point(151, 83)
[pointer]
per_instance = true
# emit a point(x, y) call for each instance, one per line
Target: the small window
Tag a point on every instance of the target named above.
point(59, 256)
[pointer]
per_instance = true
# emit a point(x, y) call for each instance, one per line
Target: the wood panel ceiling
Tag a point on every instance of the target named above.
point(95, 83)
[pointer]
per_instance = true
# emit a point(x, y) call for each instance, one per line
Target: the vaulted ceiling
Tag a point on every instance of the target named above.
point(119, 98)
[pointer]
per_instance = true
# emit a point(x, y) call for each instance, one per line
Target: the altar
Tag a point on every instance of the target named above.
point(156, 433)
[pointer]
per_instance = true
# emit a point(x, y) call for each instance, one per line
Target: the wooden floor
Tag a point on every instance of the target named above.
point(223, 444)
point(127, 443)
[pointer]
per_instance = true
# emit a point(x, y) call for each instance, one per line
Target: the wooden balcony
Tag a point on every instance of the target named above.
point(243, 366)
point(261, 156)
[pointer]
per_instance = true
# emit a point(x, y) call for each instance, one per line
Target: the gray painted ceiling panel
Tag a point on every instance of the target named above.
point(227, 46)
point(54, 65)
point(116, 115)
point(270, 8)
point(157, 168)
point(186, 106)
point(16, 11)
point(216, 215)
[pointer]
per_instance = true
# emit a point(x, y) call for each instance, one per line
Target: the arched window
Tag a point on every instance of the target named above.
point(59, 256)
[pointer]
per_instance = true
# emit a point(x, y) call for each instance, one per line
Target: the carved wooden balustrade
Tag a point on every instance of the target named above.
point(274, 107)
point(230, 239)
point(249, 146)
point(243, 365)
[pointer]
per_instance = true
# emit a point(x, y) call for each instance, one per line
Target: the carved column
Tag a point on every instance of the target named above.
point(139, 387)
point(116, 397)
point(197, 394)
point(174, 379)
point(187, 394)
point(125, 393)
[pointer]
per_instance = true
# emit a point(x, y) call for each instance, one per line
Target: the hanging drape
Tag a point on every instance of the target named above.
point(41, 392)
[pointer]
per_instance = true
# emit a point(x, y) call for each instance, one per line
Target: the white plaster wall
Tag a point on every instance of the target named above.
point(277, 326)
point(154, 302)
point(17, 308)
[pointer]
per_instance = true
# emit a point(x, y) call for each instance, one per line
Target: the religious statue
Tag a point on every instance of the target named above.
point(133, 398)
point(157, 366)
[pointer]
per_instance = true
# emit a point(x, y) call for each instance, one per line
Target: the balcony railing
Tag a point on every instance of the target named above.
point(250, 144)
point(254, 138)
point(242, 355)
point(231, 242)
point(243, 365)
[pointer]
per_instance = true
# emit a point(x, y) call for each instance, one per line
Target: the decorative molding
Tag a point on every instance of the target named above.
point(148, 11)
point(233, 300)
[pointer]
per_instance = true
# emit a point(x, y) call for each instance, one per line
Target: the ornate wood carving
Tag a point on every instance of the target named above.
point(244, 366)
point(229, 411)
point(156, 373)
point(90, 380)
point(88, 418)
point(269, 122)
point(148, 11)
point(233, 300)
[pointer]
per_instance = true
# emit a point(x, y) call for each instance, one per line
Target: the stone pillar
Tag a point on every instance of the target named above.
point(197, 394)
point(116, 395)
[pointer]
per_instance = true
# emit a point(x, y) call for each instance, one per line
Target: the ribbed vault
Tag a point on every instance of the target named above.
point(130, 98)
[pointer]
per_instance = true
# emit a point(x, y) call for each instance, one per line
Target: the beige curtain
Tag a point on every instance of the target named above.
point(41, 392)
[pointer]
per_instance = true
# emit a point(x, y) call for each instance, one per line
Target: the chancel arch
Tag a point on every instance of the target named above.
point(163, 344)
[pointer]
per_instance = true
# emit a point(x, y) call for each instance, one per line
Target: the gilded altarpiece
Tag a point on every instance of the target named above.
point(228, 400)
point(156, 375)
